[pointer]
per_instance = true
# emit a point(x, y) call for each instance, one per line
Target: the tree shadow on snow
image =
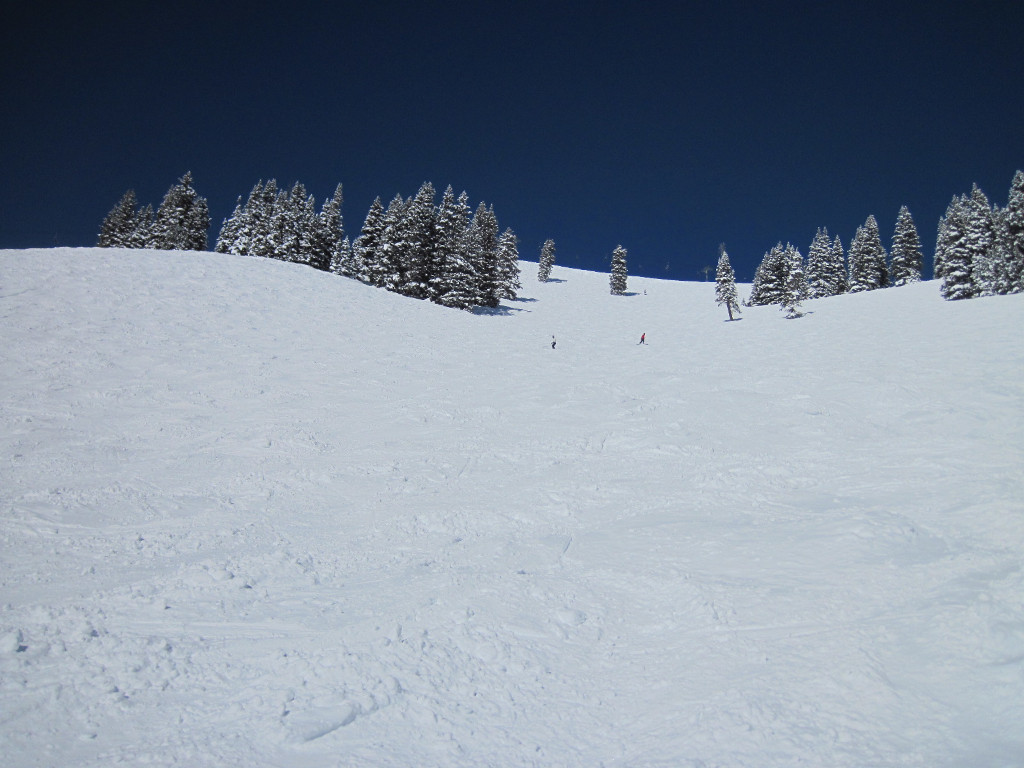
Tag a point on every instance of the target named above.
point(501, 310)
point(554, 280)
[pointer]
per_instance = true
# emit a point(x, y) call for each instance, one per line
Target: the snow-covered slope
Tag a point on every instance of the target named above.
point(253, 514)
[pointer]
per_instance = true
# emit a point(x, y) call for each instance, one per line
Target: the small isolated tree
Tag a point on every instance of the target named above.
point(906, 259)
point(619, 273)
point(547, 261)
point(725, 288)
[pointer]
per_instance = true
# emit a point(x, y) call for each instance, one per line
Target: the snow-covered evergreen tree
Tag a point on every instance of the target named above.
point(906, 259)
point(387, 269)
point(999, 256)
point(953, 263)
point(1014, 223)
point(454, 284)
point(546, 261)
point(365, 249)
point(508, 265)
point(326, 238)
point(868, 271)
point(418, 264)
point(619, 273)
point(182, 220)
point(978, 241)
point(118, 225)
point(725, 284)
point(481, 250)
point(769, 279)
point(795, 288)
point(840, 281)
point(142, 232)
point(819, 263)
point(229, 229)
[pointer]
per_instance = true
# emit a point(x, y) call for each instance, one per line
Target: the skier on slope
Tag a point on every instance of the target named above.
point(643, 337)
point(552, 342)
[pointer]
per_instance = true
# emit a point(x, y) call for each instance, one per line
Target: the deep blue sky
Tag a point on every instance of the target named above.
point(664, 127)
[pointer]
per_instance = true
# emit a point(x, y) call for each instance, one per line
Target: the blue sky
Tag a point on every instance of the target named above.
point(656, 126)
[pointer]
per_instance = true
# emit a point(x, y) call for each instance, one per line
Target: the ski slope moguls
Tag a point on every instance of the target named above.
point(252, 514)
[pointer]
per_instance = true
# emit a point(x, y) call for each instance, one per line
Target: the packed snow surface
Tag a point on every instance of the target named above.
point(256, 515)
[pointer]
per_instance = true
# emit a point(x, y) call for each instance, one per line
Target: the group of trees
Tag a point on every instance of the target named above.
point(980, 247)
point(445, 252)
point(180, 223)
point(285, 225)
point(440, 252)
point(979, 251)
point(784, 278)
point(448, 254)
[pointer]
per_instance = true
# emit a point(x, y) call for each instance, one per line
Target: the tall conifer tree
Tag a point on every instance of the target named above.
point(118, 225)
point(725, 284)
point(906, 259)
point(547, 261)
point(868, 270)
point(619, 273)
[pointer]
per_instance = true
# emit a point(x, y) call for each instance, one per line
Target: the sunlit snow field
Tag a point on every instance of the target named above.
point(256, 515)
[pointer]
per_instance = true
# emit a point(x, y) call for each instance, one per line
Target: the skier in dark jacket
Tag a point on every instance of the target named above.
point(643, 337)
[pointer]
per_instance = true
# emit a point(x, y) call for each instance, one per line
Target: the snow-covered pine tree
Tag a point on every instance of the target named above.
point(418, 253)
point(725, 284)
point(454, 285)
point(261, 211)
point(118, 225)
point(906, 259)
point(239, 227)
point(1015, 235)
point(770, 279)
point(868, 271)
point(344, 261)
point(182, 220)
point(952, 257)
point(386, 270)
point(327, 237)
point(143, 228)
point(619, 273)
point(366, 248)
point(283, 234)
point(229, 229)
point(819, 282)
point(508, 265)
point(546, 261)
point(840, 282)
point(304, 227)
point(481, 244)
point(978, 241)
point(795, 287)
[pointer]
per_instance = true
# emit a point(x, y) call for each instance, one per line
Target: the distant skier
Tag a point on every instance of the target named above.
point(552, 342)
point(643, 338)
